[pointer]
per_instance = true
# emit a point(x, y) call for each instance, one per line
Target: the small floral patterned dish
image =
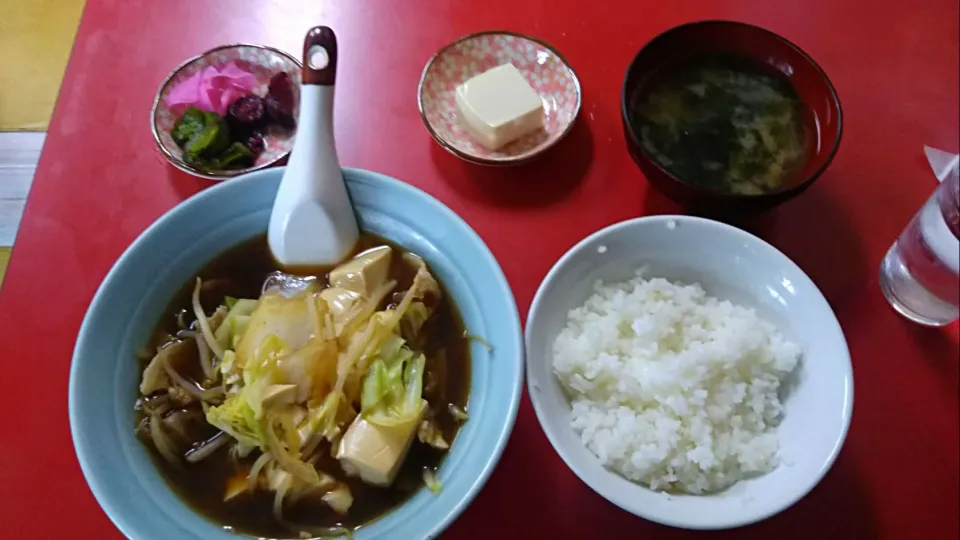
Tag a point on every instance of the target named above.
point(260, 60)
point(543, 67)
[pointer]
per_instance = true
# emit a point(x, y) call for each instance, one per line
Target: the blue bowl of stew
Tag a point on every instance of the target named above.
point(124, 473)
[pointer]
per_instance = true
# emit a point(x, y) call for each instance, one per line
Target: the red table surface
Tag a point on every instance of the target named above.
point(100, 183)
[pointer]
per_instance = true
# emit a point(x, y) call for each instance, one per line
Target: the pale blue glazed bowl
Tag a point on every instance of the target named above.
point(104, 374)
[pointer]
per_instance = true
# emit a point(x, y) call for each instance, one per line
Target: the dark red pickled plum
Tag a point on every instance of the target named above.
point(280, 100)
point(281, 87)
point(255, 143)
point(246, 113)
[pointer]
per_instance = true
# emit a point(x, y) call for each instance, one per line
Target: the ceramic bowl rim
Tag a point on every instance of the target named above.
point(180, 164)
point(538, 406)
point(522, 158)
point(97, 483)
point(722, 196)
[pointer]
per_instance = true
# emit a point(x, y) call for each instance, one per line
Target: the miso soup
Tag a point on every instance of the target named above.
point(722, 123)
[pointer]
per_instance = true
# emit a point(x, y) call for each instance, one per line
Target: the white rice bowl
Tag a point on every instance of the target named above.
point(816, 398)
point(673, 388)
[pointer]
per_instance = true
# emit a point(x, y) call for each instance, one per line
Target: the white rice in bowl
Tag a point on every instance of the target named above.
point(673, 388)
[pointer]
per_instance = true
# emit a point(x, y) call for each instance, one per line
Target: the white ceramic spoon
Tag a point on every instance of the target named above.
point(312, 223)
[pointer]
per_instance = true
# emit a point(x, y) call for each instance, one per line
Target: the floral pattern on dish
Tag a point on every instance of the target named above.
point(546, 71)
point(263, 62)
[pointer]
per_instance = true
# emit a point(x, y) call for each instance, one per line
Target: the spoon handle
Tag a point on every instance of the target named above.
point(320, 57)
point(312, 223)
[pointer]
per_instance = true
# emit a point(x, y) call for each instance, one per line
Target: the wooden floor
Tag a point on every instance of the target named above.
point(41, 33)
point(4, 259)
point(36, 37)
point(19, 153)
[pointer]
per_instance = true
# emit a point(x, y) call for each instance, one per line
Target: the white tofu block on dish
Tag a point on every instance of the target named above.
point(375, 453)
point(499, 106)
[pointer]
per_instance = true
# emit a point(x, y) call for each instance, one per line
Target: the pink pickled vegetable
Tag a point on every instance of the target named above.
point(279, 100)
point(212, 89)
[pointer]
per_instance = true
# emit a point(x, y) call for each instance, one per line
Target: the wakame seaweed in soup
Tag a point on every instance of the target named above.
point(721, 123)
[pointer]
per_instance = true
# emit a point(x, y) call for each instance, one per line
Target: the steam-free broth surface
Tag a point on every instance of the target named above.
point(241, 273)
point(722, 123)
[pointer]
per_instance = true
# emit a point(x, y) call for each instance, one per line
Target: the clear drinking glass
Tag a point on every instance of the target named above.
point(920, 276)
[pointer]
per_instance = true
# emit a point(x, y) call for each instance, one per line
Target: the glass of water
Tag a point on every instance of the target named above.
point(920, 276)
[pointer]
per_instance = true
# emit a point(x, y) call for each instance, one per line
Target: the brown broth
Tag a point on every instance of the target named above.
point(240, 272)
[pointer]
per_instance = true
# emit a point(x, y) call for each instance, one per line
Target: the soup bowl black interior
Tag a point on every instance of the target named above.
point(771, 55)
